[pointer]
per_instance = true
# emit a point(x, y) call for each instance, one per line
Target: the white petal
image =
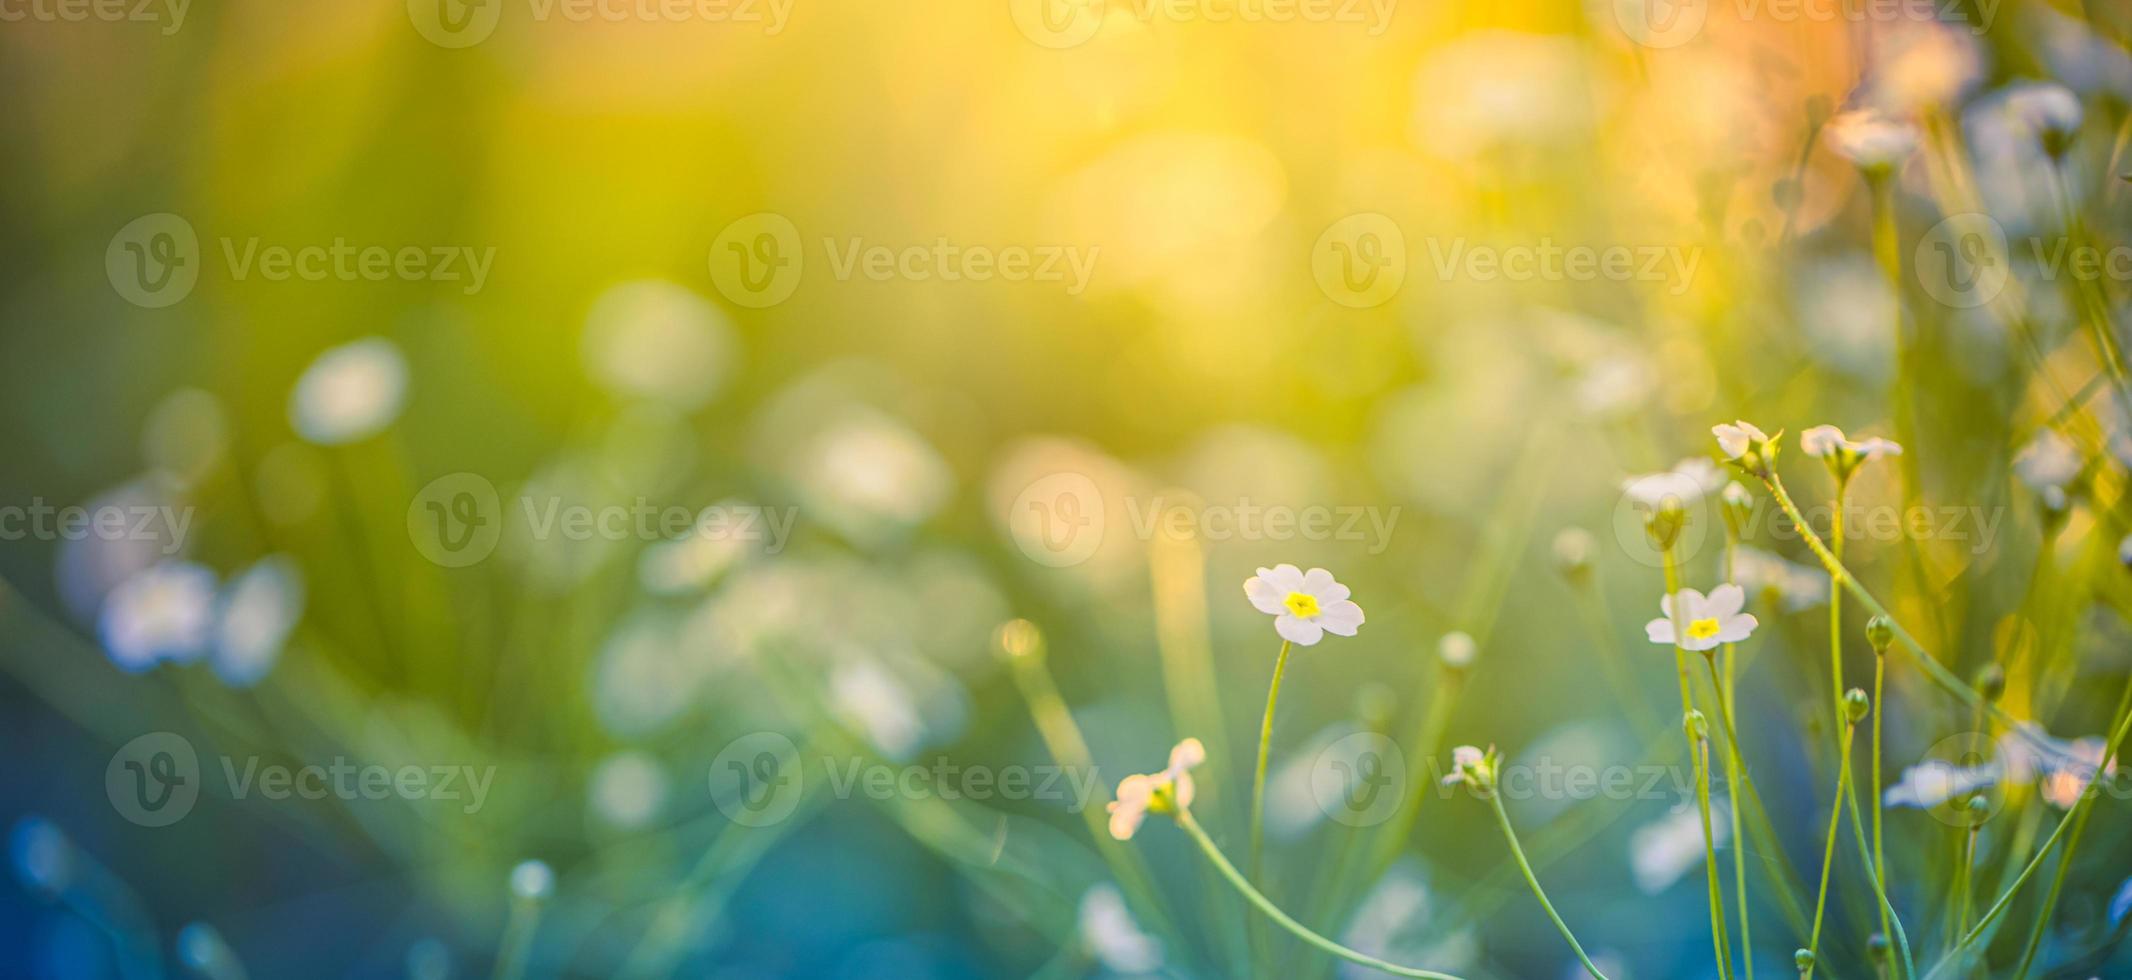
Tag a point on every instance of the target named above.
point(1693, 645)
point(1725, 601)
point(1182, 789)
point(1264, 596)
point(1320, 583)
point(1124, 820)
point(1286, 578)
point(1301, 632)
point(1821, 440)
point(1187, 754)
point(1736, 628)
point(1660, 631)
point(1340, 616)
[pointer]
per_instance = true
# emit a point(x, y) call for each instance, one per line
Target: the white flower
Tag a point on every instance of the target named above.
point(1468, 765)
point(2051, 109)
point(1138, 795)
point(532, 880)
point(2061, 768)
point(163, 613)
point(628, 789)
point(658, 341)
point(1305, 605)
point(1827, 441)
point(1662, 851)
point(2048, 462)
point(1705, 622)
point(1457, 649)
point(1795, 586)
point(255, 616)
point(1113, 936)
point(1737, 437)
point(1869, 139)
point(1935, 781)
point(350, 392)
point(1682, 486)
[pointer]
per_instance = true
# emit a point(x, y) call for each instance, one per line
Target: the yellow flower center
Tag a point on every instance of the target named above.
point(1303, 604)
point(1703, 629)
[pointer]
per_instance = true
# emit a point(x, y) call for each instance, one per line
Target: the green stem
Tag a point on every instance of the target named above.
point(1272, 911)
point(1502, 819)
point(1717, 892)
point(2087, 799)
point(1900, 936)
point(1735, 770)
point(1967, 849)
point(1828, 850)
point(1880, 864)
point(1258, 779)
point(1718, 940)
point(2065, 863)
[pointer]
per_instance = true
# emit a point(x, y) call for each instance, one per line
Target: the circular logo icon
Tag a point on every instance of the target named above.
point(756, 261)
point(1359, 780)
point(1956, 769)
point(455, 23)
point(1057, 24)
point(154, 780)
point(1058, 520)
point(1661, 23)
point(1699, 513)
point(154, 261)
point(756, 779)
point(456, 520)
point(1360, 261)
point(1963, 260)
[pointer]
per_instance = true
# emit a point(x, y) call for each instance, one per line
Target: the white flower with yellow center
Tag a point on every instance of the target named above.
point(1703, 623)
point(1738, 437)
point(1163, 792)
point(1305, 605)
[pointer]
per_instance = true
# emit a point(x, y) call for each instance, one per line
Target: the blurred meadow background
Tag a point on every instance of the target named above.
point(578, 445)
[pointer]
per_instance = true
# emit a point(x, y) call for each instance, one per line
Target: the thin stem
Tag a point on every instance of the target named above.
point(1835, 615)
point(1502, 819)
point(1828, 850)
point(1880, 864)
point(1717, 893)
point(1265, 742)
point(1967, 849)
point(2087, 799)
point(2065, 863)
point(1243, 887)
point(1880, 893)
point(1735, 769)
point(1718, 940)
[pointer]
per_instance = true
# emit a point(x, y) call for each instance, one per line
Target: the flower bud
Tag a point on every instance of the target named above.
point(1803, 959)
point(1880, 631)
point(1697, 726)
point(1877, 948)
point(1574, 548)
point(1991, 682)
point(1739, 506)
point(1664, 523)
point(1018, 638)
point(1857, 705)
